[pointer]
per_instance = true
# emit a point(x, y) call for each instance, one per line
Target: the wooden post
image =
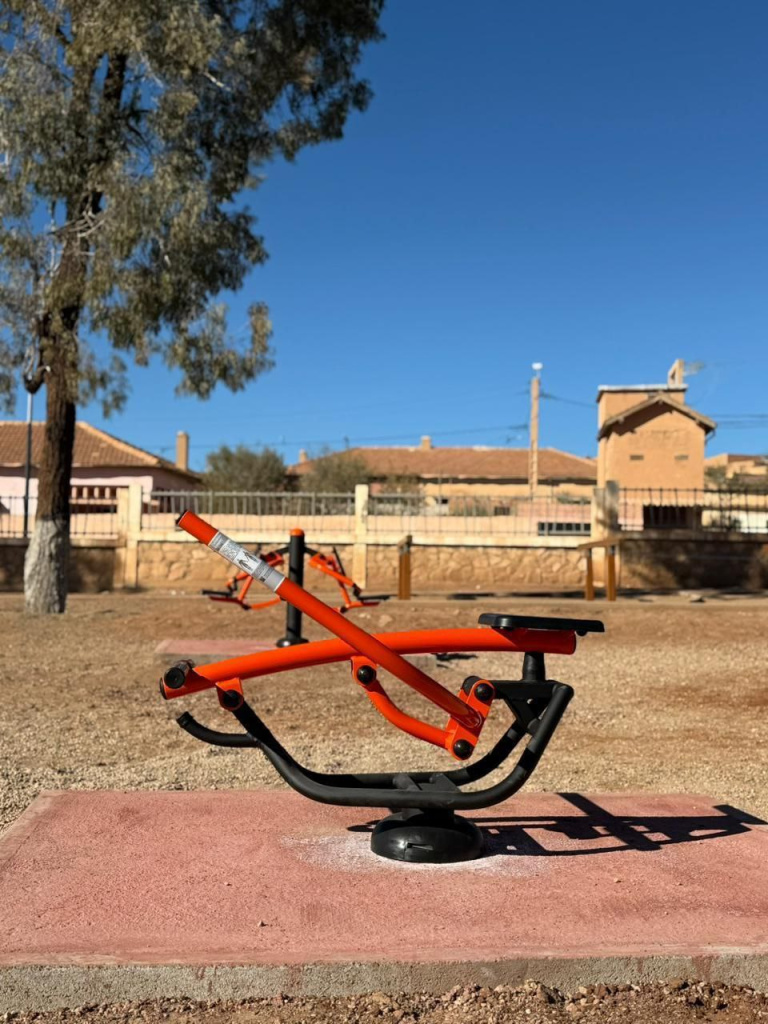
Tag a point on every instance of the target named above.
point(610, 572)
point(404, 568)
point(130, 503)
point(589, 581)
point(360, 547)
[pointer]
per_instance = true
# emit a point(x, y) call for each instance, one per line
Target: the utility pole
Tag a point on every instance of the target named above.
point(27, 466)
point(533, 457)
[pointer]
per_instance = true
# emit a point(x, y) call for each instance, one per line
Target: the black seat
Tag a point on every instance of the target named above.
point(579, 626)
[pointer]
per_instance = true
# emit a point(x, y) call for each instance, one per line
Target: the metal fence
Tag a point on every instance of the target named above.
point(248, 511)
point(700, 511)
point(546, 515)
point(87, 518)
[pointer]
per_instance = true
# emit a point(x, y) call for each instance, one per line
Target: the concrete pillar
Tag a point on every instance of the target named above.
point(360, 548)
point(129, 508)
point(605, 510)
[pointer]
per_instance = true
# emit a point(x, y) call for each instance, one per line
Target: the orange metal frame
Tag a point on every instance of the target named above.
point(366, 653)
point(273, 558)
point(326, 564)
point(330, 566)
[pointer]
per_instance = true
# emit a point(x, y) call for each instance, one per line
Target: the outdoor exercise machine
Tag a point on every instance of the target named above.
point(297, 549)
point(423, 824)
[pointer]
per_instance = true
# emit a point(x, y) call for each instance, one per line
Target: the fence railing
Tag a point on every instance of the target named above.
point(87, 518)
point(547, 515)
point(731, 511)
point(251, 511)
point(544, 515)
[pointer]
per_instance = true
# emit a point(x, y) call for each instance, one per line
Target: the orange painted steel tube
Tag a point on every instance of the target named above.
point(407, 723)
point(328, 652)
point(357, 638)
point(377, 651)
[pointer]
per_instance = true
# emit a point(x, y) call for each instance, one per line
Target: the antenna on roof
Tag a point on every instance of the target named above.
point(681, 369)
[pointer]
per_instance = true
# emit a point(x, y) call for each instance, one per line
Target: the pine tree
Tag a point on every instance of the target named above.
point(127, 132)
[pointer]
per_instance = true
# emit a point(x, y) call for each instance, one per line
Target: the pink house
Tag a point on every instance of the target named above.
point(102, 463)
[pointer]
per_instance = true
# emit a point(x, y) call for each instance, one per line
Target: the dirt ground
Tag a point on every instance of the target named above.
point(673, 698)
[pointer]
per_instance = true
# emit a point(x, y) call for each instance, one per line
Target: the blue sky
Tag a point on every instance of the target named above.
point(579, 182)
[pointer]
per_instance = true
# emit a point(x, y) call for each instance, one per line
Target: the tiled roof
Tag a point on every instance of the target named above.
point(758, 460)
point(94, 449)
point(640, 387)
point(466, 463)
point(658, 399)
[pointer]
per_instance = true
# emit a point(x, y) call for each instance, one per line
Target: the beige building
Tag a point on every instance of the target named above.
point(649, 437)
point(737, 470)
point(453, 472)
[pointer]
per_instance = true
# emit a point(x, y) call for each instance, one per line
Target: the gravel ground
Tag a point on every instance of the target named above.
point(673, 698)
point(675, 1003)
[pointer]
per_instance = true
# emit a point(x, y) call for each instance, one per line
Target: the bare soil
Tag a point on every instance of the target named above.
point(673, 698)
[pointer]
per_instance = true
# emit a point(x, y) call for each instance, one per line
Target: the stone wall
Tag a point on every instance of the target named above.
point(191, 567)
point(183, 566)
point(647, 561)
point(670, 562)
point(91, 567)
point(466, 568)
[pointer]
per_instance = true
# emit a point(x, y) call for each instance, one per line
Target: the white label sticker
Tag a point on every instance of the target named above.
point(250, 563)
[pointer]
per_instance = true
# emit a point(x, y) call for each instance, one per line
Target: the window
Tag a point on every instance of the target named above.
point(545, 529)
point(681, 458)
point(636, 458)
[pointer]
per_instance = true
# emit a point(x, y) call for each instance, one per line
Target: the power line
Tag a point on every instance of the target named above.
point(346, 440)
point(567, 401)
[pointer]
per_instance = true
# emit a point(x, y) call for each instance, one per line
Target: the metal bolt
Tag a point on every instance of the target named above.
point(366, 674)
point(175, 676)
point(484, 692)
point(231, 699)
point(462, 749)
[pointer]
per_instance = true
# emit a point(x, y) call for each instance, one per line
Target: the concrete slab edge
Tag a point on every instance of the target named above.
point(42, 987)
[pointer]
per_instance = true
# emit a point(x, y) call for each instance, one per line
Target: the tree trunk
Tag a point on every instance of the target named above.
point(46, 566)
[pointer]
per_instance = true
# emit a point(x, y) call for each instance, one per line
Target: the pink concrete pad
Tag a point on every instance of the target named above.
point(186, 878)
point(208, 649)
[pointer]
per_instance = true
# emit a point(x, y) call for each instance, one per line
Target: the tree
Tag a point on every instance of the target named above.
point(335, 473)
point(242, 469)
point(127, 133)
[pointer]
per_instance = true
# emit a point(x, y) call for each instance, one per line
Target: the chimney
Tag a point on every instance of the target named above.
point(676, 375)
point(426, 443)
point(182, 450)
point(303, 455)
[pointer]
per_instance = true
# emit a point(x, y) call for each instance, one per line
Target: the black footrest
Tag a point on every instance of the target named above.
point(579, 626)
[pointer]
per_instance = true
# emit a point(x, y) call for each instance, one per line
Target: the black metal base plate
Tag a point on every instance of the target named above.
point(427, 837)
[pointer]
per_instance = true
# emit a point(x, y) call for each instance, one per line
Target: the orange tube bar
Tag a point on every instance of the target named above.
point(333, 621)
point(327, 652)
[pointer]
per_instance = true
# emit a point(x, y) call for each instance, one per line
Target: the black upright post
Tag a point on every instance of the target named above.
point(296, 552)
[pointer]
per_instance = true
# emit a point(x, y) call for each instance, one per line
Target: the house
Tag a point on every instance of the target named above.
point(737, 470)
point(101, 464)
point(648, 437)
point(451, 472)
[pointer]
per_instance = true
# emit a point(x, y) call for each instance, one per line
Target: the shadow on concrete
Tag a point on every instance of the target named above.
point(600, 831)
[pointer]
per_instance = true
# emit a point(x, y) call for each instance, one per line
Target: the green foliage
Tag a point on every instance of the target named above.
point(243, 469)
point(127, 132)
point(335, 473)
point(402, 484)
point(715, 476)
